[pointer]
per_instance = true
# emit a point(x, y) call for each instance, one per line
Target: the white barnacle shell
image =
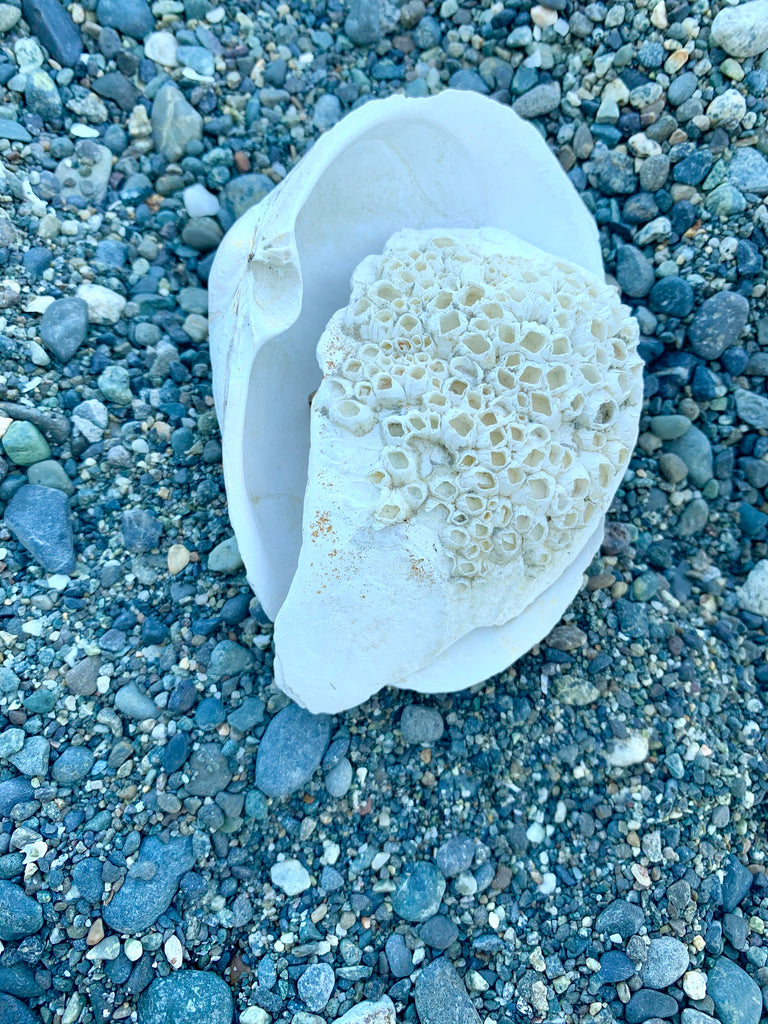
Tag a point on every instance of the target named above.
point(428, 517)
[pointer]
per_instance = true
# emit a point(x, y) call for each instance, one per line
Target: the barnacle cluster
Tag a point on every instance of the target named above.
point(502, 387)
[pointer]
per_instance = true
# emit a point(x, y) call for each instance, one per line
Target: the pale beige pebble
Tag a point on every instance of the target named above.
point(174, 952)
point(139, 126)
point(641, 876)
point(178, 558)
point(640, 145)
point(732, 69)
point(695, 984)
point(617, 91)
point(161, 47)
point(254, 1015)
point(105, 306)
point(84, 131)
point(196, 326)
point(676, 61)
point(633, 749)
point(38, 304)
point(659, 15)
point(543, 16)
point(95, 933)
point(48, 226)
point(5, 422)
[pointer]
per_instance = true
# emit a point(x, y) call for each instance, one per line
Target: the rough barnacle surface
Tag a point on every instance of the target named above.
point(477, 411)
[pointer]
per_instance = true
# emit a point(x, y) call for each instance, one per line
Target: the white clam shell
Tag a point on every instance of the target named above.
point(457, 160)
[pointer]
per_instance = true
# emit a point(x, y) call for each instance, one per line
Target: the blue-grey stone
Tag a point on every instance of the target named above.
point(53, 26)
point(229, 659)
point(149, 888)
point(620, 918)
point(175, 122)
point(615, 966)
point(422, 724)
point(209, 771)
point(291, 750)
point(538, 101)
point(616, 174)
point(39, 517)
point(72, 765)
point(187, 997)
point(439, 932)
point(682, 87)
point(468, 80)
point(32, 759)
point(240, 194)
point(634, 272)
point(339, 778)
point(19, 980)
point(86, 875)
point(748, 171)
point(42, 97)
point(398, 955)
point(648, 1004)
point(12, 1011)
point(197, 58)
point(736, 996)
point(12, 792)
point(455, 855)
point(20, 915)
point(695, 450)
point(132, 17)
point(13, 131)
point(717, 324)
point(327, 112)
point(672, 296)
point(419, 894)
point(427, 33)
point(752, 408)
point(316, 985)
point(667, 961)
point(693, 169)
point(441, 997)
point(141, 530)
point(175, 752)
point(737, 881)
point(363, 23)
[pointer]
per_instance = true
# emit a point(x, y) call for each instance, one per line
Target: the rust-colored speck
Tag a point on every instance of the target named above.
point(420, 570)
point(321, 526)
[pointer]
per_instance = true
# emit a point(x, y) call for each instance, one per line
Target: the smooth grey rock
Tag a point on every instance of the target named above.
point(208, 770)
point(634, 272)
point(86, 875)
point(737, 878)
point(175, 122)
point(187, 997)
point(150, 886)
point(736, 996)
point(742, 31)
point(50, 473)
point(421, 724)
point(540, 100)
point(748, 171)
point(418, 896)
point(72, 765)
point(13, 1011)
point(132, 17)
point(695, 450)
point(339, 778)
point(647, 1004)
point(441, 997)
point(291, 750)
point(752, 408)
point(455, 855)
point(20, 915)
point(717, 324)
point(363, 23)
point(24, 444)
point(667, 961)
point(439, 932)
point(131, 702)
point(230, 659)
point(39, 517)
point(291, 876)
point(620, 918)
point(32, 759)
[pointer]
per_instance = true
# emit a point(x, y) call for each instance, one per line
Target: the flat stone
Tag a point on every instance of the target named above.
point(32, 759)
point(52, 24)
point(751, 408)
point(634, 272)
point(12, 130)
point(105, 306)
point(540, 100)
point(381, 1012)
point(141, 530)
point(39, 518)
point(667, 961)
point(131, 17)
point(620, 918)
point(12, 1011)
point(737, 878)
point(191, 997)
point(316, 985)
point(672, 296)
point(439, 932)
point(230, 659)
point(131, 702)
point(20, 915)
point(748, 170)
point(150, 886)
point(208, 770)
point(225, 557)
point(175, 122)
point(363, 23)
point(455, 855)
point(50, 473)
point(615, 966)
point(86, 875)
point(291, 750)
point(72, 765)
point(670, 426)
point(440, 996)
point(736, 996)
point(291, 876)
point(695, 450)
point(647, 1004)
point(717, 324)
point(419, 895)
point(24, 444)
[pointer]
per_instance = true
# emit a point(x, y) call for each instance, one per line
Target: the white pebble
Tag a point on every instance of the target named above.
point(199, 202)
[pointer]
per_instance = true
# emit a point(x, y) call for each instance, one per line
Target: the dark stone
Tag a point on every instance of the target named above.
point(440, 996)
point(131, 17)
point(54, 28)
point(647, 1004)
point(141, 530)
point(615, 966)
point(20, 915)
point(634, 272)
point(672, 296)
point(14, 1012)
point(39, 517)
point(191, 997)
point(150, 885)
point(737, 881)
point(620, 918)
point(291, 750)
point(717, 324)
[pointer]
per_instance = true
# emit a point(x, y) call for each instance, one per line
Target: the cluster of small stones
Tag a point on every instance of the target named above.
point(505, 391)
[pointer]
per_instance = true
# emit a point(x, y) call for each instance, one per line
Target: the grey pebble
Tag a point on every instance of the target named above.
point(194, 997)
point(39, 517)
point(672, 296)
point(748, 171)
point(32, 759)
point(132, 17)
point(695, 450)
point(752, 408)
point(421, 724)
point(50, 473)
point(540, 100)
point(455, 855)
point(327, 112)
point(693, 518)
point(615, 966)
point(291, 750)
point(717, 324)
point(175, 122)
point(20, 915)
point(441, 997)
point(620, 918)
point(648, 1004)
point(316, 985)
point(13, 1011)
point(150, 885)
point(229, 659)
point(398, 955)
point(86, 875)
point(667, 961)
point(669, 427)
point(736, 996)
point(209, 771)
point(64, 327)
point(634, 272)
point(339, 778)
point(72, 765)
point(737, 881)
point(439, 932)
point(418, 896)
point(141, 530)
point(363, 23)
point(132, 703)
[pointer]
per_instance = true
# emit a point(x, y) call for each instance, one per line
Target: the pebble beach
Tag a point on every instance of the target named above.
point(579, 840)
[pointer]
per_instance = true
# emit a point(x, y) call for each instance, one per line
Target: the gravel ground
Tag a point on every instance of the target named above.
point(580, 839)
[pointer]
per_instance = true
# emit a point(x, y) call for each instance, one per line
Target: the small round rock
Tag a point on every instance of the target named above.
point(194, 997)
point(421, 724)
